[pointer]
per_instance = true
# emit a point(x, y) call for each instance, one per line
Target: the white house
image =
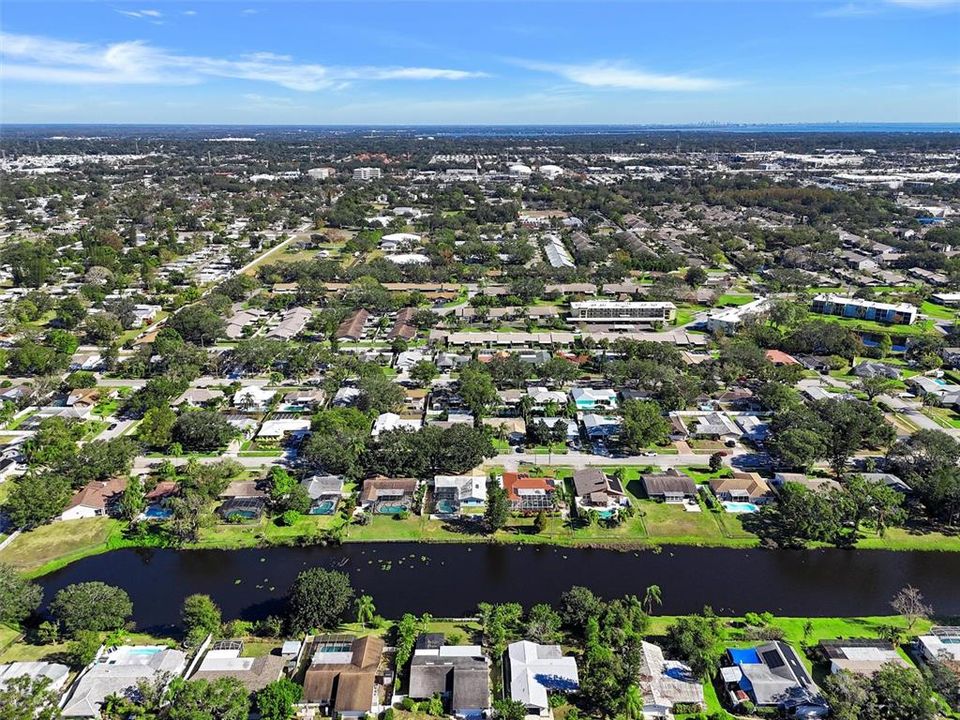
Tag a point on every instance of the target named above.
point(253, 397)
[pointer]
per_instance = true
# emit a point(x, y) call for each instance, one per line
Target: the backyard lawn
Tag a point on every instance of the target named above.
point(62, 542)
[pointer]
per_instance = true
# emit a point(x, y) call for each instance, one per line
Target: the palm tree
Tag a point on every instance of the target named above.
point(652, 596)
point(633, 703)
point(365, 609)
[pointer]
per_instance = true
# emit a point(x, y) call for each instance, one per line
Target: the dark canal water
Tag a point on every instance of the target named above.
point(449, 580)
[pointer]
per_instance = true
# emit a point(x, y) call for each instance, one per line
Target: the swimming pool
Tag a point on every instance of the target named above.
point(324, 507)
point(157, 512)
point(740, 507)
point(445, 507)
point(391, 509)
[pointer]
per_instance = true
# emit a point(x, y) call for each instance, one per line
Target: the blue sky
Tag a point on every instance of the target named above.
point(321, 62)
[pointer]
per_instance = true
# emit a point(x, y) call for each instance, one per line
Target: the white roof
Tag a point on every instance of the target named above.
point(54, 671)
point(279, 428)
point(400, 237)
point(532, 665)
point(392, 421)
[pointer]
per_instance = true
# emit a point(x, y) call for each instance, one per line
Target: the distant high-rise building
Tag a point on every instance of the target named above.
point(367, 173)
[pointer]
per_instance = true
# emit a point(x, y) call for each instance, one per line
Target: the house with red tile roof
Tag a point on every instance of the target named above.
point(528, 494)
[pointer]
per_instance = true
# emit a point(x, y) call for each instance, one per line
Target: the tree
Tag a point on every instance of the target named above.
point(477, 391)
point(276, 701)
point(643, 424)
point(201, 617)
point(577, 606)
point(156, 428)
point(37, 498)
point(652, 596)
point(102, 328)
point(633, 702)
point(91, 606)
point(874, 501)
point(876, 385)
point(498, 507)
point(424, 372)
point(695, 276)
point(893, 692)
point(697, 640)
point(543, 624)
point(319, 599)
point(222, 699)
point(82, 650)
point(197, 323)
point(202, 430)
point(133, 501)
point(19, 597)
point(26, 697)
point(909, 603)
point(186, 517)
point(716, 462)
point(504, 709)
point(796, 447)
point(540, 522)
point(366, 610)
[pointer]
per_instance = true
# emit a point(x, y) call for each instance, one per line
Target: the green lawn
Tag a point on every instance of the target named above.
point(734, 299)
point(921, 327)
point(25, 652)
point(937, 311)
point(59, 544)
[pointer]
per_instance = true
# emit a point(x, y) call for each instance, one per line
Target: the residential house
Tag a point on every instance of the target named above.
point(876, 369)
point(117, 672)
point(242, 500)
point(95, 499)
point(716, 426)
point(810, 482)
point(860, 656)
point(666, 683)
point(459, 674)
point(453, 493)
point(772, 675)
point(253, 398)
point(224, 660)
point(542, 397)
point(391, 421)
point(291, 324)
point(83, 397)
point(198, 397)
point(671, 486)
point(889, 479)
point(590, 399)
point(535, 671)
point(595, 489)
point(54, 673)
point(780, 358)
point(529, 494)
point(742, 487)
point(342, 679)
point(352, 328)
point(941, 643)
point(282, 426)
point(599, 427)
point(324, 491)
point(385, 495)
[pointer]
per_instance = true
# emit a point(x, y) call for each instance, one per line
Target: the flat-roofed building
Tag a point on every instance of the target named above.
point(605, 311)
point(859, 309)
point(729, 320)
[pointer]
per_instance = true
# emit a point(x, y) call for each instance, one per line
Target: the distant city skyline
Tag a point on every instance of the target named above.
point(881, 61)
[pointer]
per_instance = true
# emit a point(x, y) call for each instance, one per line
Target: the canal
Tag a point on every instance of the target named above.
point(449, 580)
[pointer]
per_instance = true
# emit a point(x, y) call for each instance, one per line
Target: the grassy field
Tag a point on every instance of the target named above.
point(25, 652)
point(58, 544)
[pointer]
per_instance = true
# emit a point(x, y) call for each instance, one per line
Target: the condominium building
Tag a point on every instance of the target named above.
point(858, 309)
point(622, 312)
point(367, 173)
point(728, 320)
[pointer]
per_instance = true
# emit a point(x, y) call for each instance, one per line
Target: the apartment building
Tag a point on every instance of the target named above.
point(602, 311)
point(858, 309)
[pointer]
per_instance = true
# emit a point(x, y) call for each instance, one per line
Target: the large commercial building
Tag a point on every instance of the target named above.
point(858, 309)
point(601, 311)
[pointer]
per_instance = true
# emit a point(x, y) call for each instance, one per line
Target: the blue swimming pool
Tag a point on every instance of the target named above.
point(325, 507)
point(391, 509)
point(445, 507)
point(740, 507)
point(157, 512)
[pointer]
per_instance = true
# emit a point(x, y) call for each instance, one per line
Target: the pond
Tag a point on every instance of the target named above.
point(448, 580)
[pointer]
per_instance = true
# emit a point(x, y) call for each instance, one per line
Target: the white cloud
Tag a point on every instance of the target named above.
point(190, 12)
point(849, 10)
point(606, 74)
point(39, 59)
point(155, 14)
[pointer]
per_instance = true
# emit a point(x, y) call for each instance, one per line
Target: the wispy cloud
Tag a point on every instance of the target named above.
point(46, 60)
point(607, 74)
point(149, 14)
point(849, 10)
